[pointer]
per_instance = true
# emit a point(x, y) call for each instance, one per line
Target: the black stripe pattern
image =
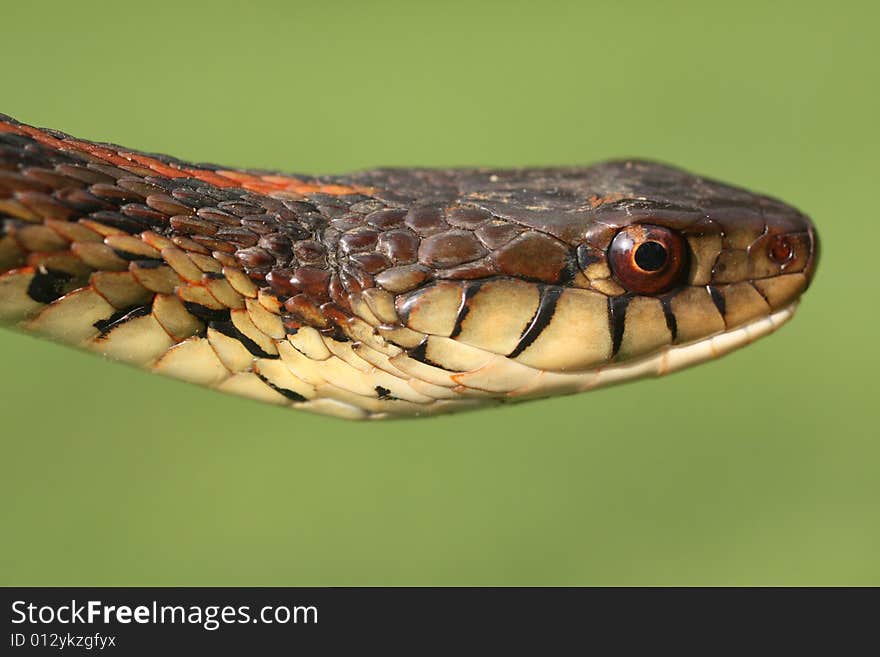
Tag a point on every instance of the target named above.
point(546, 308)
point(617, 320)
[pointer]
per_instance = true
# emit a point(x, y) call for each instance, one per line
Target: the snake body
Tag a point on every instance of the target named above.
point(390, 292)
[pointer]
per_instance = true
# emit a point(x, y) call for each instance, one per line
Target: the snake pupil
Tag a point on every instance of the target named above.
point(651, 256)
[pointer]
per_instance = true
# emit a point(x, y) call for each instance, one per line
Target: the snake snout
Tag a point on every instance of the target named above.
point(784, 259)
point(815, 249)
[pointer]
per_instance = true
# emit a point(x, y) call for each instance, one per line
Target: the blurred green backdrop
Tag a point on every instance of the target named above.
point(761, 468)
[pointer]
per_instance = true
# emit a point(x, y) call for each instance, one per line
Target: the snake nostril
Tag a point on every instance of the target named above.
point(780, 250)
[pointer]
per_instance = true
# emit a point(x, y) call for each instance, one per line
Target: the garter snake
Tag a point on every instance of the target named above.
point(389, 292)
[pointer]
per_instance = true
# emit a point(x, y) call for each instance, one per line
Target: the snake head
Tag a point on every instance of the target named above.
point(540, 281)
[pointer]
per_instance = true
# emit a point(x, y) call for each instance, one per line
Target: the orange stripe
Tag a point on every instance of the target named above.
point(155, 165)
point(303, 189)
point(209, 177)
point(98, 151)
point(261, 187)
point(336, 190)
point(8, 127)
point(282, 180)
point(238, 176)
point(48, 140)
point(221, 178)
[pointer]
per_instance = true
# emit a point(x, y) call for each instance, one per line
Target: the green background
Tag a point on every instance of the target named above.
point(761, 468)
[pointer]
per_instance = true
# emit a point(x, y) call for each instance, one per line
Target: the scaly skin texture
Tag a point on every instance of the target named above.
point(388, 292)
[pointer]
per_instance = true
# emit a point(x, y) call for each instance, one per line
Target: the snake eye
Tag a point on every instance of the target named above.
point(647, 259)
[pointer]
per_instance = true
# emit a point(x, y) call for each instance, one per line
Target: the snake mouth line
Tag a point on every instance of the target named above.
point(667, 360)
point(678, 357)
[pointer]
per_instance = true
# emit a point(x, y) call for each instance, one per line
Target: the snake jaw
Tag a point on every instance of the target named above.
point(530, 383)
point(678, 357)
